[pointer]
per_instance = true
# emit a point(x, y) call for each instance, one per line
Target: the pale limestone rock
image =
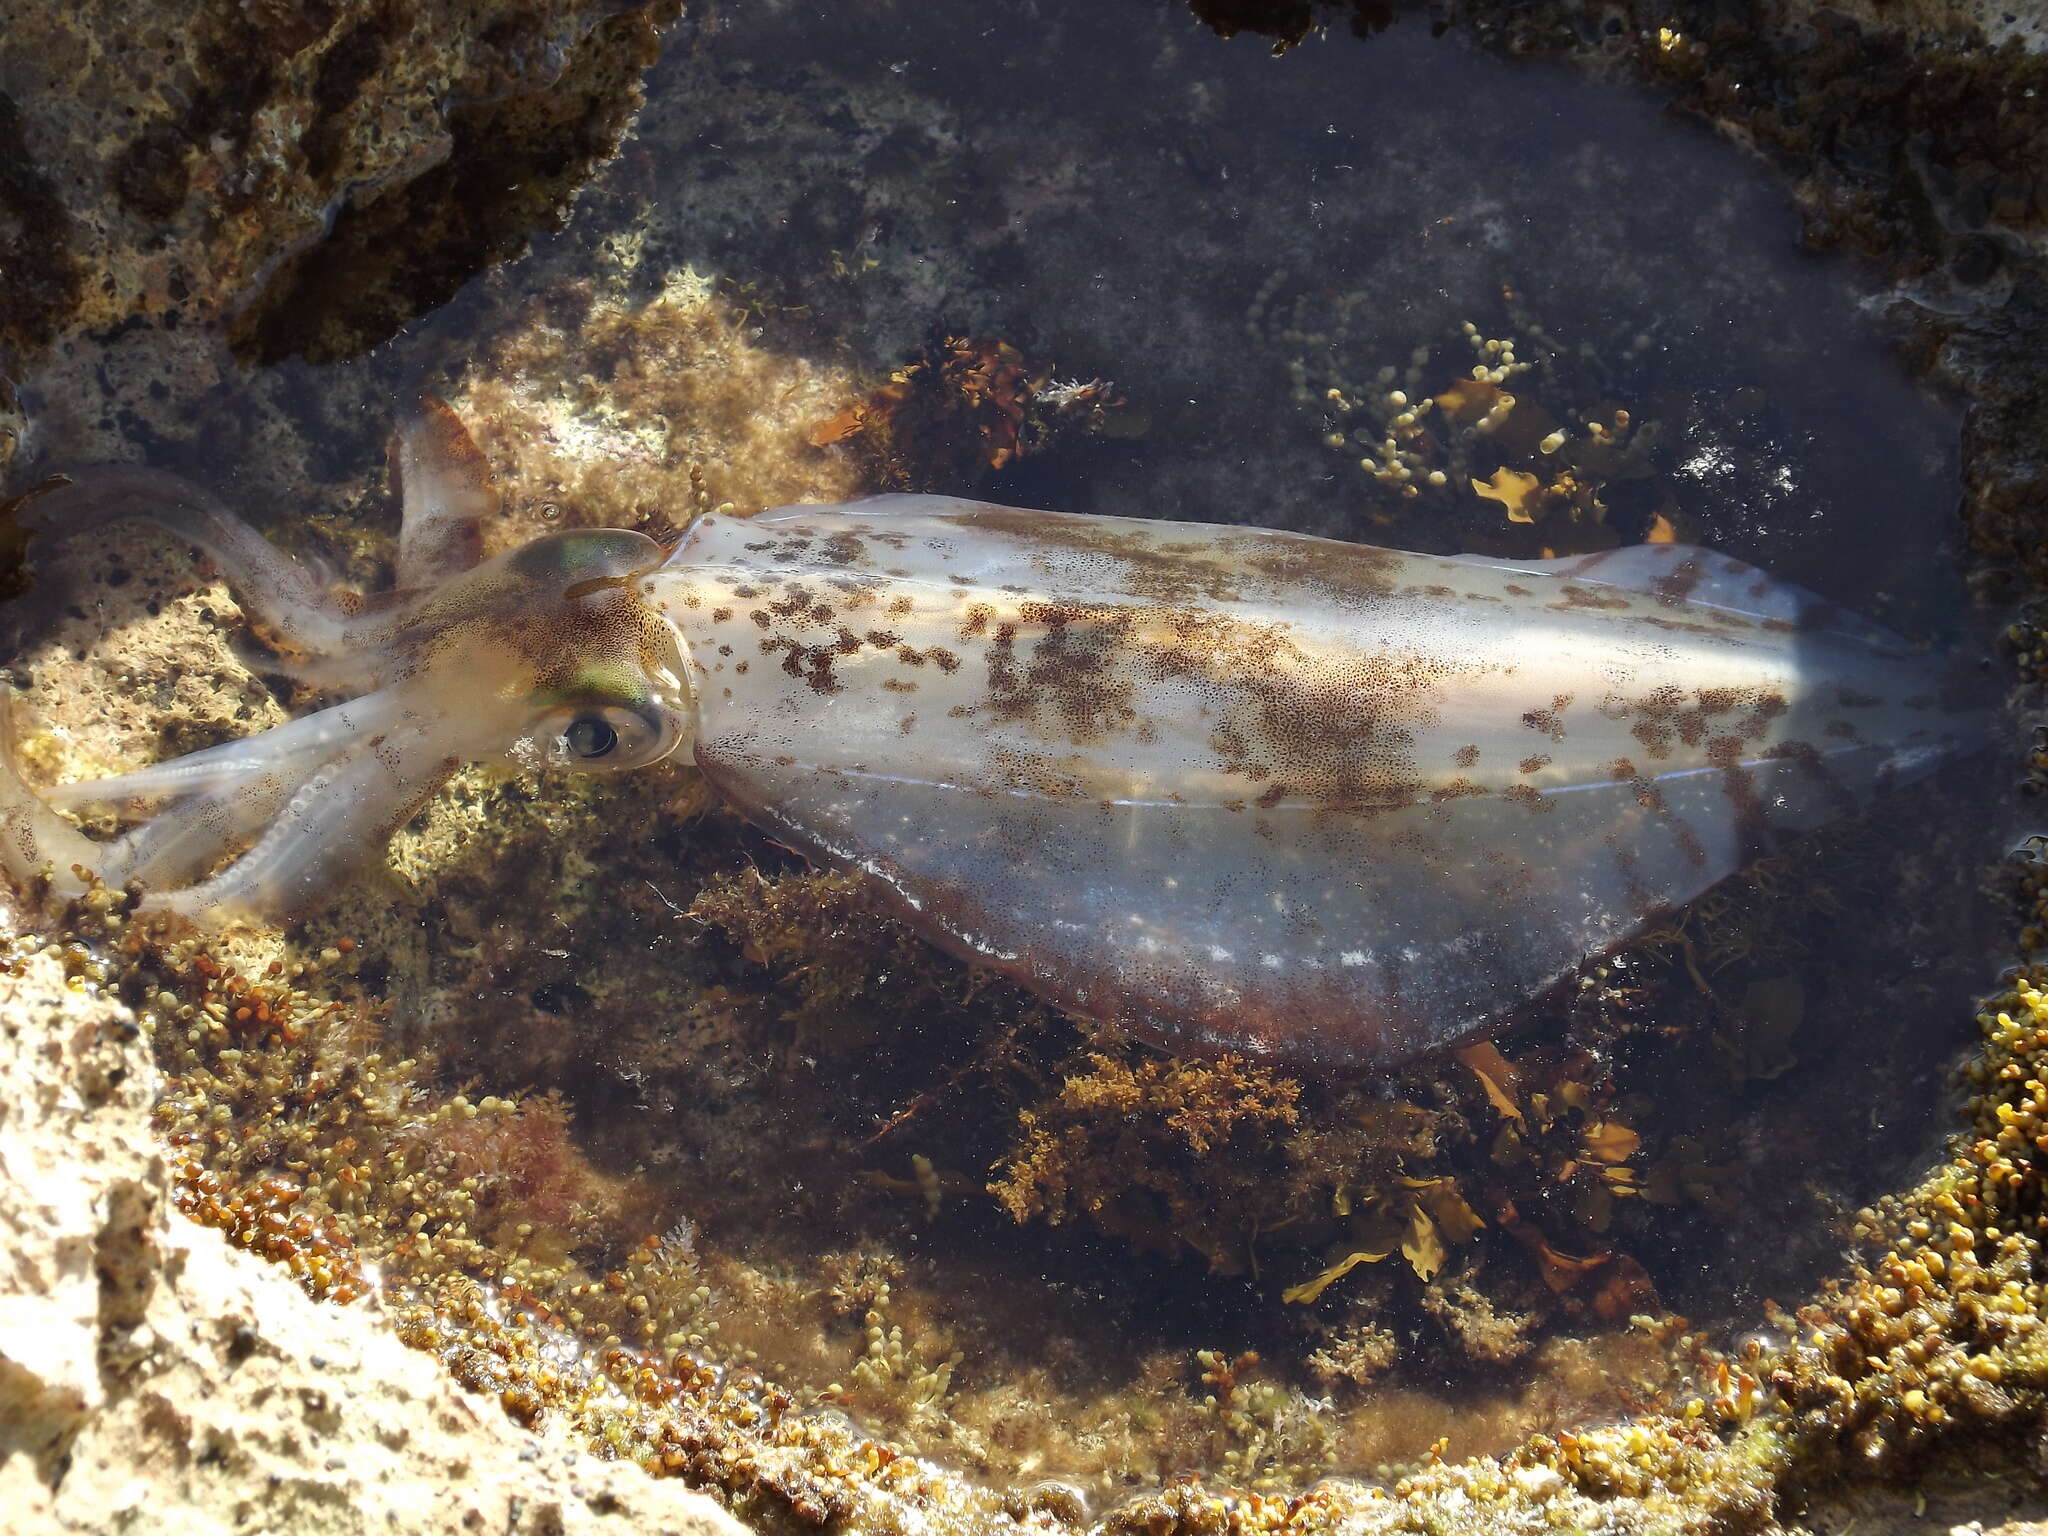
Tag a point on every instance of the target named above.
point(75, 1163)
point(152, 1378)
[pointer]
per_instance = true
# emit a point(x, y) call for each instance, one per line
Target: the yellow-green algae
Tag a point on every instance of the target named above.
point(738, 1045)
point(520, 1150)
point(342, 1164)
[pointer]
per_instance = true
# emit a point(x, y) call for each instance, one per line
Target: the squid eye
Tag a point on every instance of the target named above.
point(590, 736)
point(608, 738)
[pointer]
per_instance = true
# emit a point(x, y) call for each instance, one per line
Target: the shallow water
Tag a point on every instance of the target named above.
point(1123, 196)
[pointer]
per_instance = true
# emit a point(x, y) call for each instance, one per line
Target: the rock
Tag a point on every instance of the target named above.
point(177, 160)
point(154, 1378)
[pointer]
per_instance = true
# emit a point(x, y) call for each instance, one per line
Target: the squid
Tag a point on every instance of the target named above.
point(1228, 788)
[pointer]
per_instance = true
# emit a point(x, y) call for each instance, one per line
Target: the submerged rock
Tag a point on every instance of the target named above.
point(621, 1265)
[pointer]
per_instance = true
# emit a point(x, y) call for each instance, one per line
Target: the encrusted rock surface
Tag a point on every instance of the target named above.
point(187, 189)
point(148, 1372)
point(152, 1378)
point(180, 158)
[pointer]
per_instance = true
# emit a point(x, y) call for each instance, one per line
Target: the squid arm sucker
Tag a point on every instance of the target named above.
point(1228, 788)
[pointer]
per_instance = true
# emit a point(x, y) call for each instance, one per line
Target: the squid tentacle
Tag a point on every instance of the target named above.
point(34, 839)
point(235, 797)
point(289, 749)
point(241, 790)
point(184, 841)
point(332, 822)
point(285, 597)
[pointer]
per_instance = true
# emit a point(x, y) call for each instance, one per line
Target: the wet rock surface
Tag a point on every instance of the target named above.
point(295, 189)
point(152, 1377)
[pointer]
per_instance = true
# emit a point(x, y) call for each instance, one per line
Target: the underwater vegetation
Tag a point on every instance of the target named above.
point(1479, 457)
point(958, 408)
point(293, 1133)
point(580, 1194)
point(1498, 1210)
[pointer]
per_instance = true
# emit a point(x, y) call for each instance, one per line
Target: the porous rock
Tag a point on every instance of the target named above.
point(154, 1378)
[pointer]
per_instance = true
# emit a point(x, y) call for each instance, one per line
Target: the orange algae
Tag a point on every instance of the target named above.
point(403, 1172)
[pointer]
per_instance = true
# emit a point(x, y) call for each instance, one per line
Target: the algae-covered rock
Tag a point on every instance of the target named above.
point(668, 1149)
point(153, 1377)
point(282, 164)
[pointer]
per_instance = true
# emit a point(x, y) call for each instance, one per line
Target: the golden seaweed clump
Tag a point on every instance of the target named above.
point(1499, 433)
point(1477, 1205)
point(959, 407)
point(2026, 641)
point(1945, 1324)
point(1171, 1154)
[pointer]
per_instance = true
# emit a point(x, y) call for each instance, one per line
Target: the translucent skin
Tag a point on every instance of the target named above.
point(1245, 790)
point(461, 662)
point(1230, 789)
